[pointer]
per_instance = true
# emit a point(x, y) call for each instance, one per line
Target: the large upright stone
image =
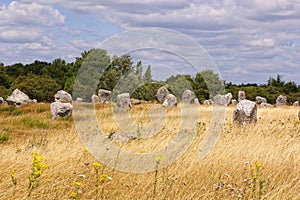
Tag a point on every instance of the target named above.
point(241, 95)
point(63, 97)
point(245, 112)
point(59, 109)
point(161, 94)
point(170, 101)
point(123, 102)
point(281, 100)
point(260, 100)
point(188, 96)
point(18, 98)
point(104, 96)
point(1, 100)
point(222, 100)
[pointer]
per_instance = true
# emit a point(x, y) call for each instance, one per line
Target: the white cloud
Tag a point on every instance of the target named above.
point(266, 42)
point(17, 13)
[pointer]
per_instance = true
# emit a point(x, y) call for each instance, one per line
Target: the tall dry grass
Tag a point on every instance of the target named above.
point(231, 171)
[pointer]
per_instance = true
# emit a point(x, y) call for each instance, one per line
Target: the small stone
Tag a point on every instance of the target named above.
point(208, 102)
point(94, 98)
point(1, 100)
point(296, 103)
point(123, 137)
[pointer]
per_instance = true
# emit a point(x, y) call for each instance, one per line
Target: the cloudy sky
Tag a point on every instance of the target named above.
point(248, 41)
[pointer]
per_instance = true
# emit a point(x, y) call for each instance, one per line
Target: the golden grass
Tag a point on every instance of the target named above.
point(223, 174)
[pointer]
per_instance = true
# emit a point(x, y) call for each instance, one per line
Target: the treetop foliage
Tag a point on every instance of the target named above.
point(95, 69)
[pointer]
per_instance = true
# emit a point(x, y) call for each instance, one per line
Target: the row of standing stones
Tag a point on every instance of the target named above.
point(245, 112)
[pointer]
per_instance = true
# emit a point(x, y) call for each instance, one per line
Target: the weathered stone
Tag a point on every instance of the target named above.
point(234, 102)
point(63, 97)
point(32, 101)
point(265, 105)
point(281, 100)
point(104, 96)
point(17, 98)
point(94, 98)
point(208, 102)
point(1, 100)
point(123, 137)
point(170, 101)
point(296, 103)
point(123, 102)
point(59, 109)
point(161, 94)
point(222, 100)
point(188, 96)
point(79, 100)
point(196, 101)
point(245, 112)
point(260, 100)
point(241, 95)
point(299, 115)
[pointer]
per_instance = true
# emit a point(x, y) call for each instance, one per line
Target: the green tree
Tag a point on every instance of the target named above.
point(41, 88)
point(148, 76)
point(213, 82)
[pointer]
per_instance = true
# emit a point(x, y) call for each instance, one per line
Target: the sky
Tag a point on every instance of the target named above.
point(248, 41)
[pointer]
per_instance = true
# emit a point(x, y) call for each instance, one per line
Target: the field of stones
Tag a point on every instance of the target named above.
point(45, 158)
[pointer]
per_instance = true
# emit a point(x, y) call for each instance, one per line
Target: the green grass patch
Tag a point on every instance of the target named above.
point(4, 137)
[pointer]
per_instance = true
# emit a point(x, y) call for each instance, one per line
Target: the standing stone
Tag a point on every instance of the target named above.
point(18, 98)
point(63, 97)
point(208, 102)
point(161, 94)
point(59, 109)
point(299, 115)
point(1, 100)
point(222, 100)
point(196, 101)
point(241, 95)
point(104, 96)
point(188, 96)
point(234, 102)
point(94, 98)
point(79, 100)
point(245, 112)
point(32, 101)
point(296, 103)
point(281, 100)
point(260, 100)
point(123, 102)
point(170, 101)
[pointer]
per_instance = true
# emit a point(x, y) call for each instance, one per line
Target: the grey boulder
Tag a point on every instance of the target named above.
point(123, 102)
point(63, 97)
point(245, 112)
point(18, 98)
point(241, 95)
point(59, 109)
point(104, 96)
point(188, 96)
point(281, 100)
point(170, 101)
point(161, 94)
point(260, 100)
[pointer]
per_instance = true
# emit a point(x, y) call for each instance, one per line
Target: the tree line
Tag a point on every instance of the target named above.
point(96, 69)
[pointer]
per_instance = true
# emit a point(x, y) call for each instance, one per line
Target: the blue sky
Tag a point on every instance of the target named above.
point(249, 41)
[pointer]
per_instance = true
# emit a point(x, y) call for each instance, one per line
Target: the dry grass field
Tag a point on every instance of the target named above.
point(248, 162)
